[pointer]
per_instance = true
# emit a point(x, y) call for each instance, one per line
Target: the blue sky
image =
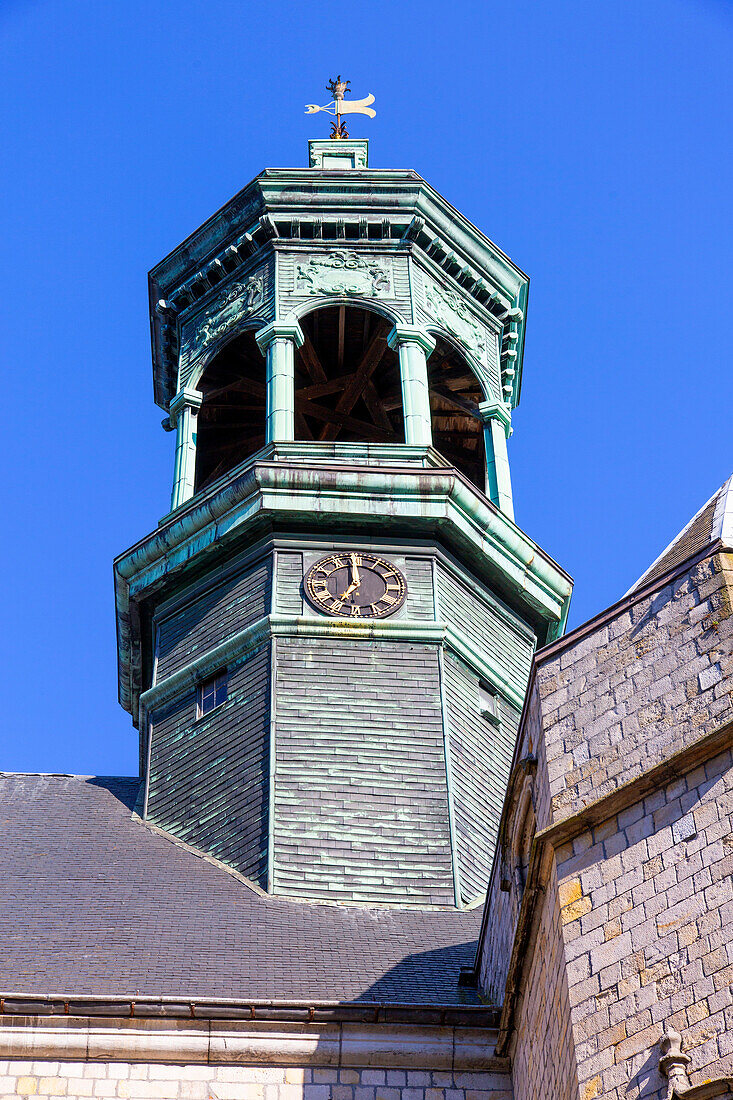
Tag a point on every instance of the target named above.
point(590, 140)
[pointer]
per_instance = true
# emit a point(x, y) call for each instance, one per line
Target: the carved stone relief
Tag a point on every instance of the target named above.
point(244, 299)
point(449, 310)
point(237, 301)
point(344, 272)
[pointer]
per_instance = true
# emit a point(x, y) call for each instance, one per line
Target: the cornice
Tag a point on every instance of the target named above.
point(204, 1032)
point(382, 206)
point(438, 501)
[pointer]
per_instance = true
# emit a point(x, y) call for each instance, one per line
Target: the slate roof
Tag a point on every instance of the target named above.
point(94, 902)
point(712, 523)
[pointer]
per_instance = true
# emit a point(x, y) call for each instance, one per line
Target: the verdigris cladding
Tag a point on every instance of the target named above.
point(361, 800)
point(480, 758)
point(490, 628)
point(212, 617)
point(306, 276)
point(288, 585)
point(208, 779)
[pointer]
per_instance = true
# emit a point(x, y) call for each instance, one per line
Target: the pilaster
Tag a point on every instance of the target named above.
point(497, 429)
point(413, 346)
point(277, 342)
point(183, 413)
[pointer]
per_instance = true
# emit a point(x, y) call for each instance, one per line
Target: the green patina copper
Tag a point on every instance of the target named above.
point(481, 593)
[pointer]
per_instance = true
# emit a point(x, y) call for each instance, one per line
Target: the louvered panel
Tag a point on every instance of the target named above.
point(481, 757)
point(289, 582)
point(485, 628)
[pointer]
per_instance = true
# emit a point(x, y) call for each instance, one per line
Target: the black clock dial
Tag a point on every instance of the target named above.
point(355, 585)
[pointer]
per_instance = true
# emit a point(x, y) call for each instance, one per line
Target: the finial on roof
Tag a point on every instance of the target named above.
point(340, 106)
point(673, 1063)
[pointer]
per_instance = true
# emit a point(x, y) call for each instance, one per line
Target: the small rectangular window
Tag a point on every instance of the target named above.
point(211, 694)
point(488, 701)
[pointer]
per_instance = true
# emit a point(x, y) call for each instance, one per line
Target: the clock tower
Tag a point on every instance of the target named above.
point(325, 642)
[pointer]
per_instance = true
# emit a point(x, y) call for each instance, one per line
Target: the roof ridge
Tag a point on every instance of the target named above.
point(6, 773)
point(725, 519)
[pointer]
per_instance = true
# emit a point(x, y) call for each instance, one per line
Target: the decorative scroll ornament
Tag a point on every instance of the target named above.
point(344, 272)
point(237, 301)
point(341, 106)
point(449, 310)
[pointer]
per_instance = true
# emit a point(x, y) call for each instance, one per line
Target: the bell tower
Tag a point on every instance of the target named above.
point(325, 642)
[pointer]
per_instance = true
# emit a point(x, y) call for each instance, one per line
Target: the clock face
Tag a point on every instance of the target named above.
point(355, 585)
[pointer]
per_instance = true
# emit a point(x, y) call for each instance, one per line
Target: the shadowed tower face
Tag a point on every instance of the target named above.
point(325, 643)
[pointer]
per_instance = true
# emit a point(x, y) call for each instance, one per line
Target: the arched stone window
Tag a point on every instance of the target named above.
point(455, 394)
point(231, 420)
point(347, 379)
point(518, 829)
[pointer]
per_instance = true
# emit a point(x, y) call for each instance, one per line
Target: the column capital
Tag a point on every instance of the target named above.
point(279, 330)
point(186, 396)
point(411, 334)
point(496, 410)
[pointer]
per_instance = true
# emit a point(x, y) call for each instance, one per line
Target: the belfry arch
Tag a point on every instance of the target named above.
point(231, 418)
point(456, 421)
point(347, 378)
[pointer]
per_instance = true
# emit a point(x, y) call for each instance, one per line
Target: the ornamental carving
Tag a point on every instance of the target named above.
point(449, 309)
point(237, 301)
point(344, 272)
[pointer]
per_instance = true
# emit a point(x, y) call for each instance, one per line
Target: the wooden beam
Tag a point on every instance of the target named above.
point(368, 364)
point(302, 427)
point(377, 410)
point(249, 443)
point(452, 399)
point(341, 337)
point(311, 362)
point(322, 389)
point(372, 433)
point(243, 385)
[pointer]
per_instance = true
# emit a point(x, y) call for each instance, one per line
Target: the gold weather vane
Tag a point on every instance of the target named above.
point(341, 106)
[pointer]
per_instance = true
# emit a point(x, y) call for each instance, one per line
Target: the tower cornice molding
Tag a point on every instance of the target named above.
point(378, 210)
point(434, 501)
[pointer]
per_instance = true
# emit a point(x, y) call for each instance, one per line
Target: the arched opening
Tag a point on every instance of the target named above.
point(455, 394)
point(347, 380)
point(231, 420)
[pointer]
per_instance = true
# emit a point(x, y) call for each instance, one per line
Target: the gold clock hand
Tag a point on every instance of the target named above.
point(355, 571)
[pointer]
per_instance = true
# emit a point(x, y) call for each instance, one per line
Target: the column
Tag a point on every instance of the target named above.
point(183, 413)
point(413, 346)
point(278, 342)
point(497, 429)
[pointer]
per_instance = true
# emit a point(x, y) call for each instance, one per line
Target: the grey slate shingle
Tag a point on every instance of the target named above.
point(91, 901)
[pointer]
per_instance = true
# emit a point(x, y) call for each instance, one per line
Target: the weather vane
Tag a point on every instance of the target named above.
point(341, 106)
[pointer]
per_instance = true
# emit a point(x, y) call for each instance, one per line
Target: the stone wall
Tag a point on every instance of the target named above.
point(77, 1080)
point(647, 919)
point(630, 844)
point(542, 1050)
point(655, 676)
